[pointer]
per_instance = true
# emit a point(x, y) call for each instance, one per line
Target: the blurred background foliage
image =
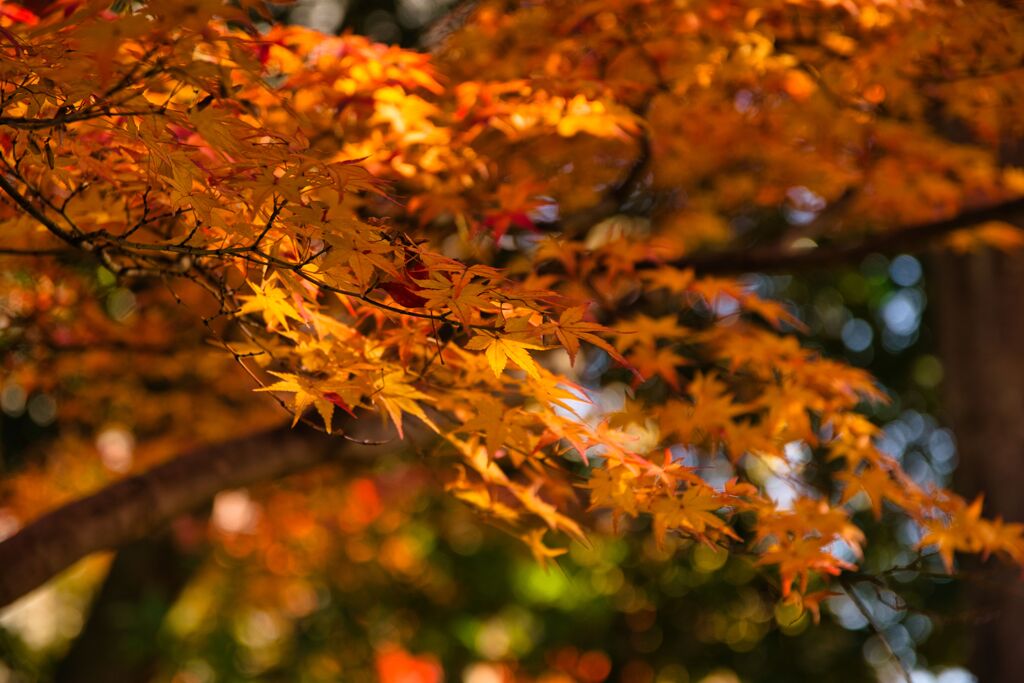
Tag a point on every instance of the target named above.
point(335, 576)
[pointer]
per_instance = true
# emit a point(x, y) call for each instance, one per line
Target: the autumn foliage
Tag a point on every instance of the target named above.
point(473, 244)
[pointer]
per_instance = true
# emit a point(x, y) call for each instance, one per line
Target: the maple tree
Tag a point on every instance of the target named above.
point(455, 254)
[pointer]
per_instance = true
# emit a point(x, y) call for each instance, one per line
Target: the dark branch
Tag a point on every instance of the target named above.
point(101, 244)
point(135, 507)
point(56, 251)
point(132, 508)
point(24, 123)
point(33, 211)
point(121, 638)
point(909, 238)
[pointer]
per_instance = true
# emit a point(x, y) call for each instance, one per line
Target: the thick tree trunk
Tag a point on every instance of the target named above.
point(121, 638)
point(979, 306)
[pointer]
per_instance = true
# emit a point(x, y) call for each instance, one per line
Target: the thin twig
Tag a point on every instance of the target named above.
point(876, 627)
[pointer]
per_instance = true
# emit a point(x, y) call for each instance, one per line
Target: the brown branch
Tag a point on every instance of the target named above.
point(100, 242)
point(456, 16)
point(56, 251)
point(876, 627)
point(24, 123)
point(135, 507)
point(120, 640)
point(132, 508)
point(909, 238)
point(35, 213)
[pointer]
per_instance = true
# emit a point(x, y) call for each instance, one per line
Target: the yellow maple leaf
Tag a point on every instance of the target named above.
point(500, 350)
point(534, 540)
point(571, 328)
point(272, 302)
point(306, 393)
point(397, 396)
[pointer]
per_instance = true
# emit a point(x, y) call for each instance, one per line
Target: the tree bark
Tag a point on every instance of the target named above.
point(121, 638)
point(132, 508)
point(980, 324)
point(894, 239)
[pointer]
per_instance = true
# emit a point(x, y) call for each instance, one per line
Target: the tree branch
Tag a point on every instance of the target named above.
point(909, 238)
point(132, 508)
point(35, 213)
point(27, 123)
point(57, 251)
point(120, 640)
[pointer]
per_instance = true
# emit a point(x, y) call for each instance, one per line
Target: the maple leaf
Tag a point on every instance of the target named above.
point(615, 488)
point(499, 350)
point(672, 279)
point(308, 392)
point(772, 311)
point(571, 328)
point(663, 362)
point(492, 418)
point(643, 330)
point(945, 537)
point(710, 412)
point(594, 118)
point(460, 294)
point(796, 559)
point(964, 530)
point(812, 602)
point(693, 512)
point(499, 223)
point(516, 200)
point(397, 396)
point(273, 303)
point(873, 481)
point(404, 294)
point(477, 495)
point(548, 512)
point(534, 540)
